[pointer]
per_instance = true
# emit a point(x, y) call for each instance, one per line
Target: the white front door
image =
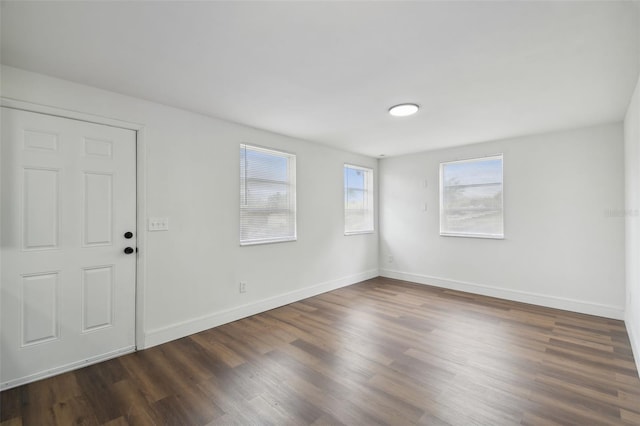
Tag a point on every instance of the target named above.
point(68, 287)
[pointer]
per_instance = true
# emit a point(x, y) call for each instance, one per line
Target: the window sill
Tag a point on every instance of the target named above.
point(485, 236)
point(360, 232)
point(260, 242)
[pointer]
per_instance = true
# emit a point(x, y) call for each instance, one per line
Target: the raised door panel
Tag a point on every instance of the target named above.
point(39, 308)
point(98, 209)
point(40, 141)
point(40, 208)
point(98, 148)
point(97, 297)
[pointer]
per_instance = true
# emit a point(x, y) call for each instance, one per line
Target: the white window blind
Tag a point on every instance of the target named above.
point(471, 202)
point(358, 199)
point(267, 196)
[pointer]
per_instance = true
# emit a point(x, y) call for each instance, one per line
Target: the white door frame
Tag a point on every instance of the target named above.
point(141, 184)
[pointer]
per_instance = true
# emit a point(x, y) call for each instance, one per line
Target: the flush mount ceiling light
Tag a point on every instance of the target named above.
point(403, 110)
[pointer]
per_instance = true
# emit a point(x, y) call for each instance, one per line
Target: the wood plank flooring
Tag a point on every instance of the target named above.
point(378, 352)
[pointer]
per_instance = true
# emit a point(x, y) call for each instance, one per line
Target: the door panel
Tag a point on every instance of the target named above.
point(39, 308)
point(98, 209)
point(40, 196)
point(97, 291)
point(68, 289)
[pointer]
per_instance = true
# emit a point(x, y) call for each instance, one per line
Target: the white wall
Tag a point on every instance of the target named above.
point(632, 198)
point(193, 270)
point(563, 246)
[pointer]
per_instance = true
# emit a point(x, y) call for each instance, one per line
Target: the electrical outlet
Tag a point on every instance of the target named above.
point(243, 287)
point(390, 259)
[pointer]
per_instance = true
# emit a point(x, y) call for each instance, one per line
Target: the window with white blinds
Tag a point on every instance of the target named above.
point(358, 199)
point(267, 196)
point(471, 202)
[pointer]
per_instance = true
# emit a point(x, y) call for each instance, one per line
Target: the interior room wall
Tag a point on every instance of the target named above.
point(565, 217)
point(632, 217)
point(564, 222)
point(192, 177)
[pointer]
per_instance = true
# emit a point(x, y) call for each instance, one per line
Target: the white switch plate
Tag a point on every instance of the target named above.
point(158, 224)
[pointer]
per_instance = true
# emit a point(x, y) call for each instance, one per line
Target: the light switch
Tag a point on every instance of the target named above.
point(158, 224)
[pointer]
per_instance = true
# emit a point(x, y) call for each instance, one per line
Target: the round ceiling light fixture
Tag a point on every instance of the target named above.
point(403, 110)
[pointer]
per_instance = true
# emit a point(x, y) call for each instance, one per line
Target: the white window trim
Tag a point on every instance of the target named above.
point(344, 207)
point(499, 156)
point(292, 176)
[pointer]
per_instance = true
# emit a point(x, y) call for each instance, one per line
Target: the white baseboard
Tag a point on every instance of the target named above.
point(195, 325)
point(64, 368)
point(634, 338)
point(601, 310)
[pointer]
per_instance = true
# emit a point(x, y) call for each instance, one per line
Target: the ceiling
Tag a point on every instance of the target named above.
point(328, 71)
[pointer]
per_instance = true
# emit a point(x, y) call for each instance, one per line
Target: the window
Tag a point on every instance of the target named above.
point(267, 196)
point(358, 200)
point(471, 198)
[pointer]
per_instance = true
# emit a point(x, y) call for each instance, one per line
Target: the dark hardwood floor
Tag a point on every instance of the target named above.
point(379, 352)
